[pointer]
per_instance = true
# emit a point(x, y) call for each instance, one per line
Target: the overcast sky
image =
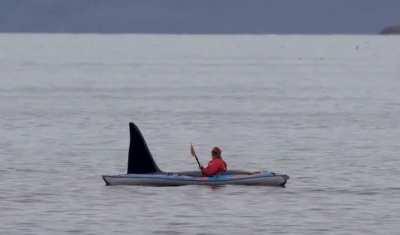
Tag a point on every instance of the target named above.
point(199, 16)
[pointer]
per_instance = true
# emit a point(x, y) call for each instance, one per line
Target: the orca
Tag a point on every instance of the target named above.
point(140, 160)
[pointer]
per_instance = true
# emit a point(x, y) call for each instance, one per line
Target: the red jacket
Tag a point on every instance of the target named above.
point(215, 167)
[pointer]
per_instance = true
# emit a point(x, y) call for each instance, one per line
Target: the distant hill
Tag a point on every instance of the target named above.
point(391, 30)
point(198, 16)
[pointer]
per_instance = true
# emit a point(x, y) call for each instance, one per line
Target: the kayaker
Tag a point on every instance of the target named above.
point(217, 165)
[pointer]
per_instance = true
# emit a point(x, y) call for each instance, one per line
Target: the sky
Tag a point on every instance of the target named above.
point(199, 16)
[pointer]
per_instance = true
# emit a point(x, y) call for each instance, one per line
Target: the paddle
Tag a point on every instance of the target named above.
point(195, 156)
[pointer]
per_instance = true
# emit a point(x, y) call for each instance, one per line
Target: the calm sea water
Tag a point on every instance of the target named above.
point(323, 109)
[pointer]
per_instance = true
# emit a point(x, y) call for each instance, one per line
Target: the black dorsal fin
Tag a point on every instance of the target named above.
point(140, 160)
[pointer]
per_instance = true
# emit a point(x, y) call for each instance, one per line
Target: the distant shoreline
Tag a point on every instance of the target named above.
point(391, 30)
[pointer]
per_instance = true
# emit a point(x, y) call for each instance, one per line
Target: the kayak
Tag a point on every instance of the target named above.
point(265, 178)
point(142, 170)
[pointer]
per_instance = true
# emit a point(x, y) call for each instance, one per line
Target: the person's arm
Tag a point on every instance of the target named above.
point(211, 169)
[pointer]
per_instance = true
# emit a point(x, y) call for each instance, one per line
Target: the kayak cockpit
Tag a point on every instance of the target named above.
point(198, 173)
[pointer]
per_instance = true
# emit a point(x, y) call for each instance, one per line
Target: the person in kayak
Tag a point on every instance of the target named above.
point(217, 165)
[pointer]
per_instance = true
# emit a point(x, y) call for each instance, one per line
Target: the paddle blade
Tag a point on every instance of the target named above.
point(192, 150)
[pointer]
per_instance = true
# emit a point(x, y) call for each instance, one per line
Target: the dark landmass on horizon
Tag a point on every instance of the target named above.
point(199, 16)
point(395, 29)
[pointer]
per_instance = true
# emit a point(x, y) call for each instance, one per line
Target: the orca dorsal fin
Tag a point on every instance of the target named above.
point(140, 160)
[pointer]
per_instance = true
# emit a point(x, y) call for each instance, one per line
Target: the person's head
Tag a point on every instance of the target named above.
point(216, 152)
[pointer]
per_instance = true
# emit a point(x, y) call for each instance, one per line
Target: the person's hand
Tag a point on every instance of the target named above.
point(202, 171)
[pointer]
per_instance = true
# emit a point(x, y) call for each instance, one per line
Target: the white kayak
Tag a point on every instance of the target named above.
point(264, 178)
point(142, 170)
